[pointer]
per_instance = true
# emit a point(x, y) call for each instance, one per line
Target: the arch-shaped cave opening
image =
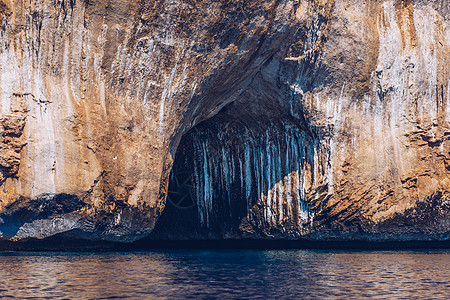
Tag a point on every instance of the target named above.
point(255, 169)
point(235, 178)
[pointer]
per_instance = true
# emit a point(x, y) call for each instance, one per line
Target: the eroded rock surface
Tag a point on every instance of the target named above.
point(313, 118)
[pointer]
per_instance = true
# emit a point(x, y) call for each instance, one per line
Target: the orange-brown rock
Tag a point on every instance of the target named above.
point(313, 118)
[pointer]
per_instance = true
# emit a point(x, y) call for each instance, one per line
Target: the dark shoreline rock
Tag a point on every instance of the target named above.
point(55, 244)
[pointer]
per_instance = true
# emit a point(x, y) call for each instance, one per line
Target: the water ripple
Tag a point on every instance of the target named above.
point(243, 274)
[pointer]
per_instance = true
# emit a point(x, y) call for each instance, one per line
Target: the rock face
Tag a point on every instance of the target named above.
point(282, 118)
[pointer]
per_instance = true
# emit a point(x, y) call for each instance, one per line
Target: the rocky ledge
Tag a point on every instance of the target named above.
point(301, 120)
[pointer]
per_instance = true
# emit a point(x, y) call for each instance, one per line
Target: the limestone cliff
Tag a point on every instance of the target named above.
point(313, 118)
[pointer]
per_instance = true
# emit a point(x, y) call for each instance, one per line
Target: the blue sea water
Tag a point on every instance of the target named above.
point(227, 274)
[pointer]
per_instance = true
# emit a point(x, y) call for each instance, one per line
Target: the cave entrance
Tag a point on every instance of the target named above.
point(233, 177)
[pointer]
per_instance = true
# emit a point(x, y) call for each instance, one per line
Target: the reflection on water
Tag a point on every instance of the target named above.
point(226, 274)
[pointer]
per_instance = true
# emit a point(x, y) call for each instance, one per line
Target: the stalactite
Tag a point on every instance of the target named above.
point(263, 169)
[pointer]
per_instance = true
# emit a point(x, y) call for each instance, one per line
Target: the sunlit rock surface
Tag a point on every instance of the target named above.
point(288, 119)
